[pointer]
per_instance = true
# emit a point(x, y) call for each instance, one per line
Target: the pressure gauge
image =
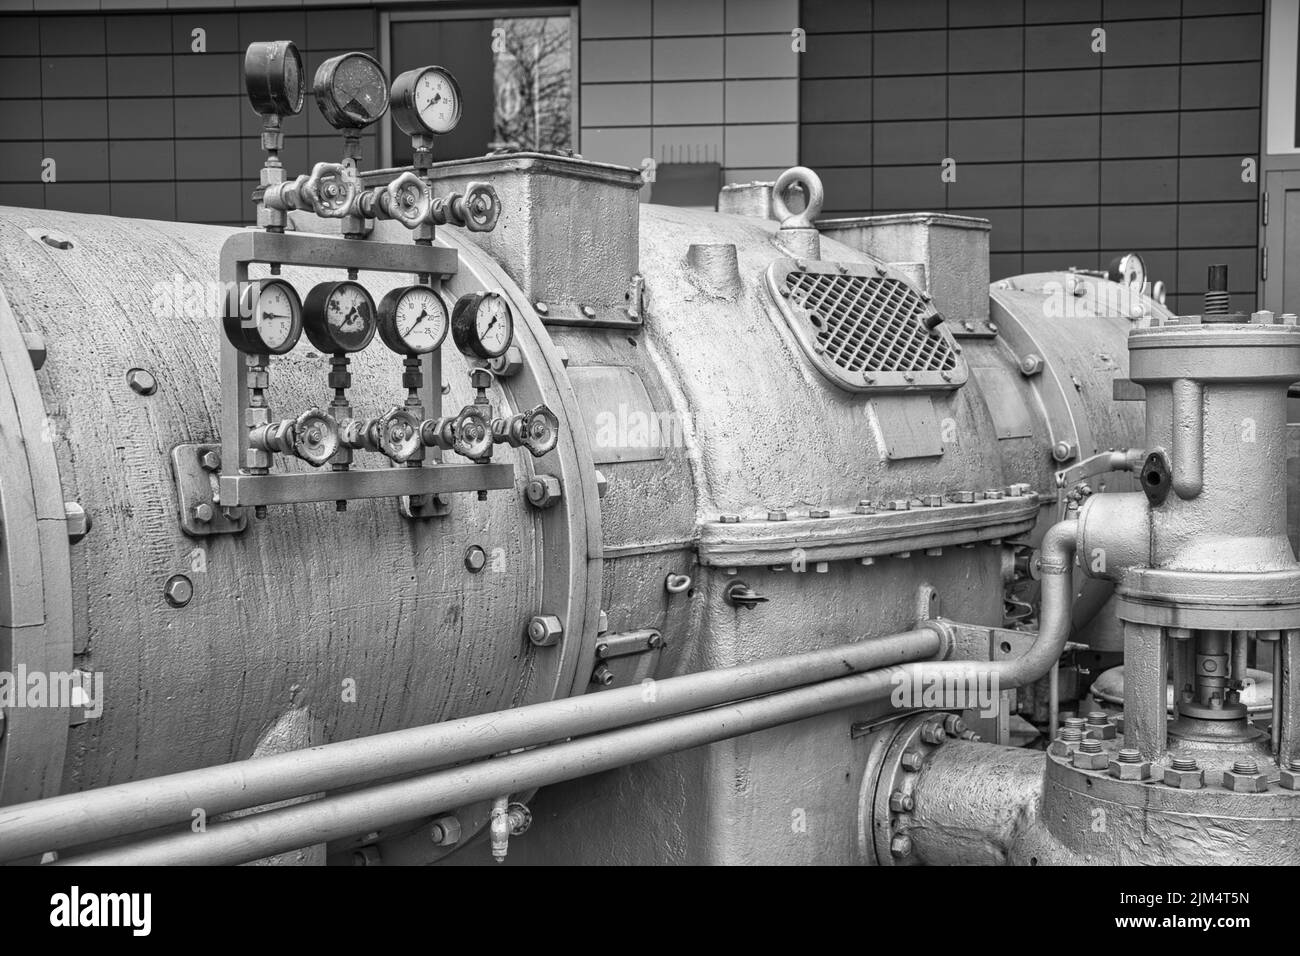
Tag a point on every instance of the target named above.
point(1129, 270)
point(339, 317)
point(269, 321)
point(273, 77)
point(426, 100)
point(413, 320)
point(482, 326)
point(351, 90)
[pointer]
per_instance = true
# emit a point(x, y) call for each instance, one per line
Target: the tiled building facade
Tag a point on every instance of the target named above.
point(1073, 153)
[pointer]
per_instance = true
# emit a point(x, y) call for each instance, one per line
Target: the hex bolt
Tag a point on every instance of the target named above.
point(1031, 364)
point(178, 590)
point(1129, 765)
point(818, 513)
point(543, 491)
point(602, 675)
point(901, 845)
point(1245, 777)
point(1184, 774)
point(900, 802)
point(954, 724)
point(1078, 723)
point(933, 733)
point(777, 514)
point(1289, 778)
point(729, 519)
point(1063, 451)
point(475, 559)
point(912, 760)
point(545, 630)
point(1066, 742)
point(588, 312)
point(142, 381)
point(210, 460)
point(865, 507)
point(78, 522)
point(541, 308)
point(203, 512)
point(1089, 756)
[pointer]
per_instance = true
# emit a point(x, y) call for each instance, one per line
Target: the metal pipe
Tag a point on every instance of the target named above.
point(76, 819)
point(1279, 688)
point(255, 836)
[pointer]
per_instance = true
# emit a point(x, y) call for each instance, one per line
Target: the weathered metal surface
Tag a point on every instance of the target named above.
point(370, 619)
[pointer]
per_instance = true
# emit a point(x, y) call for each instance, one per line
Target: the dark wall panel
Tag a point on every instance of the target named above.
point(1075, 156)
point(139, 124)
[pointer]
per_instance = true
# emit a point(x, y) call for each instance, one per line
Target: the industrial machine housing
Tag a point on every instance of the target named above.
point(720, 537)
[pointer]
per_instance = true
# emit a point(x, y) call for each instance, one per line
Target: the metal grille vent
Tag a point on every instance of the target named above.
point(865, 327)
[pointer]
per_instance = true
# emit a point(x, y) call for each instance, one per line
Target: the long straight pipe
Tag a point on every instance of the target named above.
point(28, 829)
point(274, 831)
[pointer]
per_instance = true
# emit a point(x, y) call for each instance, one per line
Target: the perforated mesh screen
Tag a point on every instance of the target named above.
point(870, 324)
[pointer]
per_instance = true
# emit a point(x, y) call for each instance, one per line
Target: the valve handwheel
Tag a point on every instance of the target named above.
point(330, 190)
point(399, 435)
point(408, 199)
point(315, 437)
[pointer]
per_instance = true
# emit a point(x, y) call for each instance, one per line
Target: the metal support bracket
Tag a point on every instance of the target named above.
point(198, 495)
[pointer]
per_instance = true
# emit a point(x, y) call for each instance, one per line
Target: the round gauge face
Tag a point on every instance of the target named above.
point(351, 90)
point(414, 320)
point(339, 317)
point(483, 325)
point(1129, 270)
point(273, 77)
point(269, 320)
point(426, 101)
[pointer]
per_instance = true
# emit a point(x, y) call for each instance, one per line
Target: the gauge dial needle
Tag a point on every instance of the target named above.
point(418, 319)
point(489, 325)
point(350, 319)
point(273, 315)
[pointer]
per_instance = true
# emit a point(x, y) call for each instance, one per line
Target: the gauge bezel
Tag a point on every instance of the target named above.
point(464, 325)
point(387, 323)
point(403, 107)
point(315, 319)
point(265, 62)
point(244, 334)
point(323, 91)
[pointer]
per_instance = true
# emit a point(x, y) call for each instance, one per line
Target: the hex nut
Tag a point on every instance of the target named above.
point(543, 491)
point(545, 630)
point(1129, 771)
point(1104, 731)
point(1184, 779)
point(900, 802)
point(933, 733)
point(1062, 748)
point(1087, 761)
point(1289, 780)
point(912, 760)
point(475, 559)
point(210, 460)
point(1245, 782)
point(512, 363)
point(445, 831)
point(901, 845)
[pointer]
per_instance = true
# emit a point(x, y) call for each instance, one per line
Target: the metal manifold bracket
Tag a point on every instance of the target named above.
point(197, 469)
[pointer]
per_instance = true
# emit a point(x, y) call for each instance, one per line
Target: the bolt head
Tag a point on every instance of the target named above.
point(178, 590)
point(545, 630)
point(203, 512)
point(1289, 780)
point(142, 381)
point(900, 802)
point(912, 760)
point(445, 831)
point(1129, 771)
point(901, 845)
point(1086, 761)
point(210, 460)
point(78, 521)
point(475, 559)
point(543, 491)
point(1184, 779)
point(1245, 782)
